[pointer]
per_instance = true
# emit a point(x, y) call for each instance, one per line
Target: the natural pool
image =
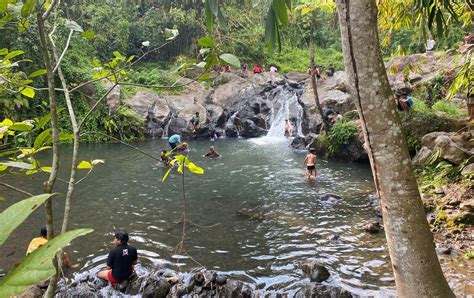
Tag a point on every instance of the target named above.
point(260, 174)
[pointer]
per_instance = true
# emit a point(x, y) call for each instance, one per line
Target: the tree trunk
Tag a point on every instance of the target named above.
point(49, 184)
point(410, 243)
point(313, 77)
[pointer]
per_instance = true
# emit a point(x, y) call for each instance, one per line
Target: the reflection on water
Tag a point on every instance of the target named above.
point(268, 178)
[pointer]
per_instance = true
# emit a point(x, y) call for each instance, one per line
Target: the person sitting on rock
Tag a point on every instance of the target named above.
point(257, 69)
point(212, 153)
point(120, 261)
point(330, 70)
point(194, 122)
point(404, 103)
point(273, 68)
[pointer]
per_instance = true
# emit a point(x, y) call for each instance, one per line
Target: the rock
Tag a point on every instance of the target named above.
point(231, 131)
point(453, 147)
point(372, 227)
point(443, 250)
point(330, 198)
point(422, 156)
point(159, 288)
point(439, 191)
point(178, 126)
point(468, 170)
point(33, 291)
point(333, 238)
point(221, 280)
point(250, 130)
point(466, 217)
point(316, 271)
point(329, 291)
point(198, 278)
point(467, 206)
point(113, 98)
point(297, 76)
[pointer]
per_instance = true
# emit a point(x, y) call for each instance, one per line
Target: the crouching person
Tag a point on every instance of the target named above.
point(120, 261)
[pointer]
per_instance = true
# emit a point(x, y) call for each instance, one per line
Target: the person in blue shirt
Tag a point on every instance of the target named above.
point(174, 140)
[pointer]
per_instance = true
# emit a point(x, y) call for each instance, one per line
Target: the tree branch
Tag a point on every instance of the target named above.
point(16, 189)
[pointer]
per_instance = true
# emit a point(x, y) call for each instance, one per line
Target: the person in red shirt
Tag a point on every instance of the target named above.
point(257, 69)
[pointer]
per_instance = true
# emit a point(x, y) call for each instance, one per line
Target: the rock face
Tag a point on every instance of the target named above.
point(452, 147)
point(169, 283)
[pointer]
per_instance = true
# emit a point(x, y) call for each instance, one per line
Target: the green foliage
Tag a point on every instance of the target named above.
point(14, 215)
point(469, 255)
point(296, 59)
point(449, 108)
point(37, 266)
point(340, 134)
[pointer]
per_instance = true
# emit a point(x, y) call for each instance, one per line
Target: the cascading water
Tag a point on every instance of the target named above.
point(285, 106)
point(167, 126)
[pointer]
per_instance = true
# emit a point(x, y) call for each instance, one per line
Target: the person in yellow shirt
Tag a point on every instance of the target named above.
point(38, 241)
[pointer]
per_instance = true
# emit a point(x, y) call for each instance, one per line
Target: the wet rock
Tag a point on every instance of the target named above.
point(328, 291)
point(333, 238)
point(250, 130)
point(231, 131)
point(221, 280)
point(443, 250)
point(315, 270)
point(296, 76)
point(178, 126)
point(198, 278)
point(159, 288)
point(178, 290)
point(372, 227)
point(330, 198)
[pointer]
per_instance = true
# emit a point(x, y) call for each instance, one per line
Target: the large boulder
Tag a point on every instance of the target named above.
point(315, 270)
point(113, 98)
point(452, 147)
point(297, 76)
point(250, 130)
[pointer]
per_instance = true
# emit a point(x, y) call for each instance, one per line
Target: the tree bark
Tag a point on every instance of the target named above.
point(49, 184)
point(314, 84)
point(410, 243)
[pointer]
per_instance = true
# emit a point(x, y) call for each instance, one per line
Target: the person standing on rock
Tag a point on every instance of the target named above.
point(194, 122)
point(174, 141)
point(120, 261)
point(289, 129)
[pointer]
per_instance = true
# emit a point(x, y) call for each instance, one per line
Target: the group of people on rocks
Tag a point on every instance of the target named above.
point(318, 71)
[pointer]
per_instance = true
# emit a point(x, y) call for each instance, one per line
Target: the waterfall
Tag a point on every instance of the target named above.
point(166, 128)
point(285, 106)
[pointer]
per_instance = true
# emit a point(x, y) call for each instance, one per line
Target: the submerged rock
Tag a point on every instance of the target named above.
point(315, 270)
point(372, 227)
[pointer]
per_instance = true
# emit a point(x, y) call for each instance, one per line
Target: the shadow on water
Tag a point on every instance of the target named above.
point(259, 175)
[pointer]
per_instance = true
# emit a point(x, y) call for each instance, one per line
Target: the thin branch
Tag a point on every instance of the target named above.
point(58, 62)
point(50, 9)
point(16, 189)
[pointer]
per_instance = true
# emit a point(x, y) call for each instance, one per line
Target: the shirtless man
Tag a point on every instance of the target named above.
point(310, 164)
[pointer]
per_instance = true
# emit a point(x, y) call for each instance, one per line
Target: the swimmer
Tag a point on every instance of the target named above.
point(165, 159)
point(310, 164)
point(212, 153)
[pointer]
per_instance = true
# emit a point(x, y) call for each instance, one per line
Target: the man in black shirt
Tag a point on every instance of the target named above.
point(120, 260)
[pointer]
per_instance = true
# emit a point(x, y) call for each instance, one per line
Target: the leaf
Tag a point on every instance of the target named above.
point(204, 76)
point(27, 91)
point(6, 122)
point(40, 139)
point(209, 17)
point(288, 4)
point(38, 265)
point(17, 164)
point(5, 153)
point(230, 59)
point(166, 174)
point(27, 8)
point(3, 51)
point(146, 43)
point(64, 136)
point(89, 34)
point(171, 34)
point(19, 126)
point(255, 3)
point(195, 169)
point(84, 165)
point(279, 7)
point(74, 26)
point(270, 29)
point(13, 54)
point(222, 21)
point(206, 42)
point(14, 215)
point(97, 161)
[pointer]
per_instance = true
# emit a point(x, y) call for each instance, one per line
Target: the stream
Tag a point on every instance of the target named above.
point(262, 175)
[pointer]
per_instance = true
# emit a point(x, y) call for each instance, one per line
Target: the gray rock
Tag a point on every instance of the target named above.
point(113, 98)
point(315, 270)
point(372, 227)
point(468, 170)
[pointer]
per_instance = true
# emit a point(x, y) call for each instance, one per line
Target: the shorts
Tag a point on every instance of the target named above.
point(173, 145)
point(311, 167)
point(112, 280)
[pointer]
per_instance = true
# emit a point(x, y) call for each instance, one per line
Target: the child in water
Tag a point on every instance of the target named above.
point(310, 163)
point(212, 153)
point(165, 159)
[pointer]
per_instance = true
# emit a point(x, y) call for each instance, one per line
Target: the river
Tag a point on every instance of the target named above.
point(292, 223)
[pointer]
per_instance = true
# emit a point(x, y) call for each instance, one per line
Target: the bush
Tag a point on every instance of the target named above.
point(340, 134)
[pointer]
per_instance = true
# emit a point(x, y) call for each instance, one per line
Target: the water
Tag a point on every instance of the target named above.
point(290, 224)
point(285, 107)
